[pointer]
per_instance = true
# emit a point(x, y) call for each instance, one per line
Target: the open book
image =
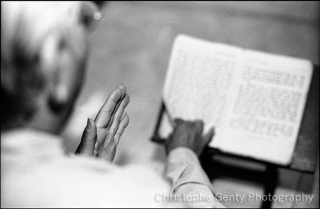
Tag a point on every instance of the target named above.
point(254, 100)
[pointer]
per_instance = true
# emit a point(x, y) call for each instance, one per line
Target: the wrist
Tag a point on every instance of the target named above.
point(178, 148)
point(183, 155)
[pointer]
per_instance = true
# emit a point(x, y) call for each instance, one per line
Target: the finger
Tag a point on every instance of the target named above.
point(123, 95)
point(123, 90)
point(104, 115)
point(199, 126)
point(178, 121)
point(116, 109)
point(122, 126)
point(88, 139)
point(119, 113)
point(208, 136)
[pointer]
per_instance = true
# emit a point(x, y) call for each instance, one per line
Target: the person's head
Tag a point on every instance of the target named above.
point(44, 50)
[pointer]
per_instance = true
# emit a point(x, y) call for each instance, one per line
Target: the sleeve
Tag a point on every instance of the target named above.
point(188, 181)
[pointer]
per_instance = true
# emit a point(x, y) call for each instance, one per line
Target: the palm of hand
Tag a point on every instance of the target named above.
point(106, 144)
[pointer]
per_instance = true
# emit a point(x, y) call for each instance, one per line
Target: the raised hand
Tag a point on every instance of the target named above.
point(101, 136)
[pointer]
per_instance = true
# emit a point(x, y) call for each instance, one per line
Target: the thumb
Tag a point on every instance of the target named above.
point(208, 136)
point(88, 140)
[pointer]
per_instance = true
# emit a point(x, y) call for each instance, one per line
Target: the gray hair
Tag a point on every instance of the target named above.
point(24, 26)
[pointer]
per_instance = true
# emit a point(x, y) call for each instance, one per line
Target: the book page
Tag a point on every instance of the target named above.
point(199, 80)
point(267, 107)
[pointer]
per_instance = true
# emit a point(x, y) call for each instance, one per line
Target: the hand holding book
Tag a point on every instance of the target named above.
point(188, 134)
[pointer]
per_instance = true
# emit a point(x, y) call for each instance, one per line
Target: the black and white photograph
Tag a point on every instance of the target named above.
point(160, 104)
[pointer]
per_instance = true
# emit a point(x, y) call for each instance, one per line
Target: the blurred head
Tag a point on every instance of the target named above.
point(44, 50)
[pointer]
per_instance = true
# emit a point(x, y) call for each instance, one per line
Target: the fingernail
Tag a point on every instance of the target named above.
point(92, 123)
point(89, 123)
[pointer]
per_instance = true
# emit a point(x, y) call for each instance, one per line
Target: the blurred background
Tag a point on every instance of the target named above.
point(132, 45)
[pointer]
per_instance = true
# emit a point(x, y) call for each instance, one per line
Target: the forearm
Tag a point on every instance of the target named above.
point(188, 180)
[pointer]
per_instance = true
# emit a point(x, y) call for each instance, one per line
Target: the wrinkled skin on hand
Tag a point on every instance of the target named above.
point(188, 134)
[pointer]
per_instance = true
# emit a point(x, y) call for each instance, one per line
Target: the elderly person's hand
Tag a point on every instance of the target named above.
point(101, 136)
point(188, 134)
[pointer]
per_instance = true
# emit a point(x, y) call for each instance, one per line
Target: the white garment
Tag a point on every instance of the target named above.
point(36, 172)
